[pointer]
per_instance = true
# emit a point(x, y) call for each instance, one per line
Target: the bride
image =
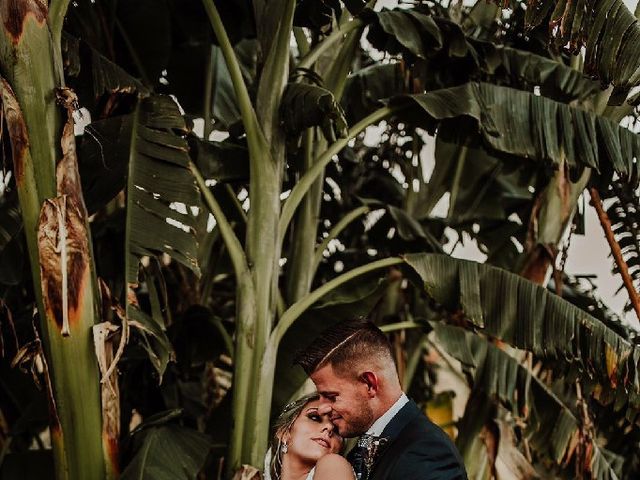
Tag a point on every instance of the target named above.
point(305, 445)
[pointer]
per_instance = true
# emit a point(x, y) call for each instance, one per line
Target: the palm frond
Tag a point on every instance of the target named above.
point(550, 425)
point(607, 29)
point(510, 308)
point(529, 126)
point(624, 214)
point(160, 193)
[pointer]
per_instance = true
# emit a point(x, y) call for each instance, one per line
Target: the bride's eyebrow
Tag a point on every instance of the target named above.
point(312, 409)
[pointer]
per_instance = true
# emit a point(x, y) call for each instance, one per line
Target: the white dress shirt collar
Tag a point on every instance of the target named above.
point(380, 424)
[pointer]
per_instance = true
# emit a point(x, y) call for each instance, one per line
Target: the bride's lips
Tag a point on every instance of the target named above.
point(322, 442)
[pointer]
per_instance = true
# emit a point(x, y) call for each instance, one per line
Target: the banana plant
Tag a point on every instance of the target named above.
point(292, 216)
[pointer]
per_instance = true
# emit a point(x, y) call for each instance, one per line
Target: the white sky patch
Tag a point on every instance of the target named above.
point(441, 209)
point(517, 244)
point(515, 218)
point(373, 133)
point(81, 118)
point(211, 223)
point(372, 218)
point(427, 156)
point(467, 249)
point(396, 172)
point(4, 181)
point(335, 188)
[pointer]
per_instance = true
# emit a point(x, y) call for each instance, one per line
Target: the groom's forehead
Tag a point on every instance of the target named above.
point(326, 378)
point(323, 375)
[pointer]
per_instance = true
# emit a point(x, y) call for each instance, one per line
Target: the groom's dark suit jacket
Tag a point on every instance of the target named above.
point(417, 449)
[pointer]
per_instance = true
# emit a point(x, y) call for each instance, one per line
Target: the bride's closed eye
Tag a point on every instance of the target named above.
point(314, 416)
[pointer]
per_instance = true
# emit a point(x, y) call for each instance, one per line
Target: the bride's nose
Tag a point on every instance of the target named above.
point(328, 427)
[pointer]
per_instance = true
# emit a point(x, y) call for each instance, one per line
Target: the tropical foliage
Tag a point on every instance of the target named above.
point(238, 180)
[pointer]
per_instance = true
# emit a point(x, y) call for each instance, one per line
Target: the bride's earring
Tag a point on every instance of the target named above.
point(285, 448)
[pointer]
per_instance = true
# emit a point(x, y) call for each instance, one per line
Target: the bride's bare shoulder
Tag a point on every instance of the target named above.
point(333, 466)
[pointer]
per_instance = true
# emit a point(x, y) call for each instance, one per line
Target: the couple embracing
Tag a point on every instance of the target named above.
point(358, 395)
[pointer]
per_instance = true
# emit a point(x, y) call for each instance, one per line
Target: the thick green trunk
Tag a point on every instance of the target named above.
point(305, 228)
point(57, 237)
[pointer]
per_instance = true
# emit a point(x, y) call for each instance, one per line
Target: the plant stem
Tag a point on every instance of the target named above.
point(302, 244)
point(57, 12)
point(298, 308)
point(298, 192)
point(412, 364)
point(255, 138)
point(455, 186)
point(238, 259)
point(301, 41)
point(615, 250)
point(226, 338)
point(335, 231)
point(322, 47)
point(208, 92)
point(392, 327)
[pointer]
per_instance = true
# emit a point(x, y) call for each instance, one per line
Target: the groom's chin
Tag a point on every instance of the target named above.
point(344, 429)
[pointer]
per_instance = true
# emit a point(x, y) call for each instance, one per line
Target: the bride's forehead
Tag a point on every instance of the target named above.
point(311, 406)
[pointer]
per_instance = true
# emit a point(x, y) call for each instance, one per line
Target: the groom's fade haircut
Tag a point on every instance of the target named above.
point(346, 347)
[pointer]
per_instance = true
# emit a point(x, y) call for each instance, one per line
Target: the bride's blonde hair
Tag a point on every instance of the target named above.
point(281, 426)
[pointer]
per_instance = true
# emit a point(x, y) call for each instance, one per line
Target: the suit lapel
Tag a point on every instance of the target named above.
point(392, 431)
point(407, 413)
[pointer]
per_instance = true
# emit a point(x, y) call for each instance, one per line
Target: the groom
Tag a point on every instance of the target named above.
point(354, 372)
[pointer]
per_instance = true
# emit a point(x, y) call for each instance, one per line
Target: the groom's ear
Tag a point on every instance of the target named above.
point(371, 381)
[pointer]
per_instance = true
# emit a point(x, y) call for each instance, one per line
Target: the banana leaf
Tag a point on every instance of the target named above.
point(404, 30)
point(505, 306)
point(525, 70)
point(529, 126)
point(158, 179)
point(607, 29)
point(167, 452)
point(93, 75)
point(550, 425)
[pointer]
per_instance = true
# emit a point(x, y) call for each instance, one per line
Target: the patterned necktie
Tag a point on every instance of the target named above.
point(364, 453)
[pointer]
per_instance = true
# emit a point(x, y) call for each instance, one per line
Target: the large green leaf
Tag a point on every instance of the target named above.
point(224, 161)
point(519, 123)
point(606, 28)
point(550, 424)
point(404, 30)
point(93, 75)
point(365, 88)
point(103, 157)
point(525, 70)
point(159, 179)
point(508, 307)
point(168, 452)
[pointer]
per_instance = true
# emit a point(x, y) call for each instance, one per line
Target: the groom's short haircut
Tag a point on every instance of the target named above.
point(346, 346)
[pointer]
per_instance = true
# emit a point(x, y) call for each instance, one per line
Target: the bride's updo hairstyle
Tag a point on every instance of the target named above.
point(282, 425)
